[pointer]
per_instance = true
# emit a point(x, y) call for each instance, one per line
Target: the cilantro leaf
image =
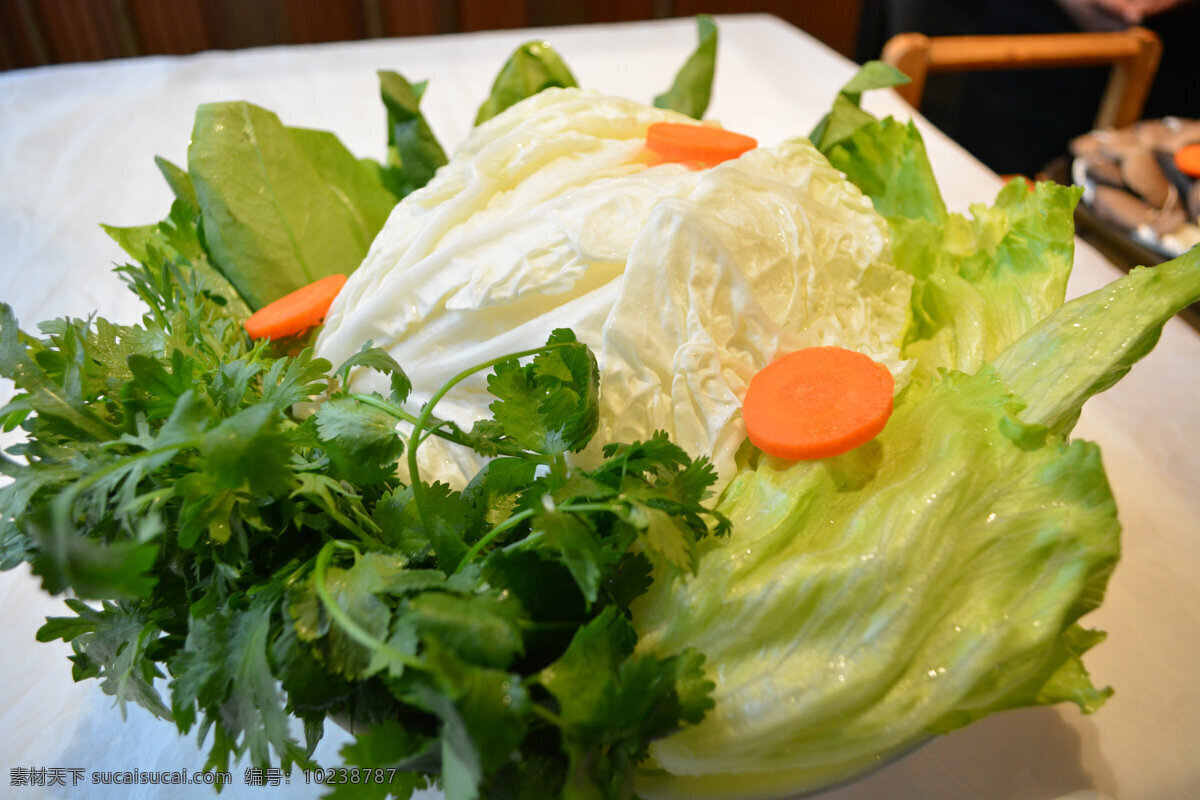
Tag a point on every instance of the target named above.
point(579, 548)
point(483, 719)
point(93, 569)
point(480, 629)
point(111, 643)
point(550, 405)
point(613, 703)
point(380, 360)
point(360, 440)
point(61, 402)
point(359, 594)
point(224, 670)
point(249, 449)
point(383, 747)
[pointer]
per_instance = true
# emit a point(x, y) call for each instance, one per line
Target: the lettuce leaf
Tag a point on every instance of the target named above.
point(980, 281)
point(867, 602)
point(532, 67)
point(414, 153)
point(938, 574)
point(280, 207)
point(932, 577)
point(692, 89)
point(847, 115)
point(1090, 343)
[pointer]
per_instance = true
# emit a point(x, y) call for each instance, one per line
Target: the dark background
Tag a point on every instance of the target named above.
point(34, 32)
point(1015, 122)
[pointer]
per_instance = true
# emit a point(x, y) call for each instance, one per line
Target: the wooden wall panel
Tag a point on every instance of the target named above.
point(83, 30)
point(834, 22)
point(490, 15)
point(174, 28)
point(624, 10)
point(324, 20)
point(414, 17)
point(246, 23)
point(543, 13)
point(21, 43)
point(47, 31)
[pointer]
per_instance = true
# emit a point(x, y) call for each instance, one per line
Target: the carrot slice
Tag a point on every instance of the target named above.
point(1187, 158)
point(817, 402)
point(696, 144)
point(296, 312)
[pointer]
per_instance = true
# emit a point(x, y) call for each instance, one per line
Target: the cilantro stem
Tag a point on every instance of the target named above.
point(422, 420)
point(576, 508)
point(547, 715)
point(375, 401)
point(63, 503)
point(339, 615)
point(491, 535)
point(519, 517)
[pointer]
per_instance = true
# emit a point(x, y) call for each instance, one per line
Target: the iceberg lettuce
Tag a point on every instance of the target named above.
point(865, 603)
point(981, 280)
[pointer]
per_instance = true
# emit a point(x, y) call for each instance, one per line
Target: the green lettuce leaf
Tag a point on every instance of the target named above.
point(692, 89)
point(280, 207)
point(928, 579)
point(414, 153)
point(1090, 343)
point(534, 66)
point(981, 281)
point(846, 115)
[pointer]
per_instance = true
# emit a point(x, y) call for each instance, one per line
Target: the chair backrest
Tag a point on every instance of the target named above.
point(1134, 55)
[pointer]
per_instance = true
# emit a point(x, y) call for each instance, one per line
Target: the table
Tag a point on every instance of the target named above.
point(76, 147)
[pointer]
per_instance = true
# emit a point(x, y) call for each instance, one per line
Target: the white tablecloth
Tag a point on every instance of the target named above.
point(76, 147)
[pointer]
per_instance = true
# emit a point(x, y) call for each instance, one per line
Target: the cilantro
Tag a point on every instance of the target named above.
point(238, 519)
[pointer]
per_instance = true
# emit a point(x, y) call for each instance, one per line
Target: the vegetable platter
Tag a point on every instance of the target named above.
point(81, 155)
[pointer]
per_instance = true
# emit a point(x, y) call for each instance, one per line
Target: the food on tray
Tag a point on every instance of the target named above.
point(563, 327)
point(1143, 181)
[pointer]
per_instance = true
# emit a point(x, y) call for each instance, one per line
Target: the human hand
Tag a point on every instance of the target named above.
point(1093, 15)
point(1134, 11)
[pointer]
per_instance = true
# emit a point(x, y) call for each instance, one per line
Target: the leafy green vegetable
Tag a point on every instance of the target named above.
point(413, 151)
point(847, 115)
point(1090, 343)
point(179, 180)
point(177, 240)
point(270, 563)
point(549, 631)
point(911, 624)
point(612, 703)
point(981, 281)
point(1007, 537)
point(109, 644)
point(692, 89)
point(534, 66)
point(281, 207)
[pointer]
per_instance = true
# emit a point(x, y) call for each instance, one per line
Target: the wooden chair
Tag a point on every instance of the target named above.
point(1133, 54)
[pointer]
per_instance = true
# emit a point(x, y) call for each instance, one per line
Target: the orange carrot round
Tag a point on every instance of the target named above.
point(296, 312)
point(1187, 158)
point(817, 402)
point(696, 144)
